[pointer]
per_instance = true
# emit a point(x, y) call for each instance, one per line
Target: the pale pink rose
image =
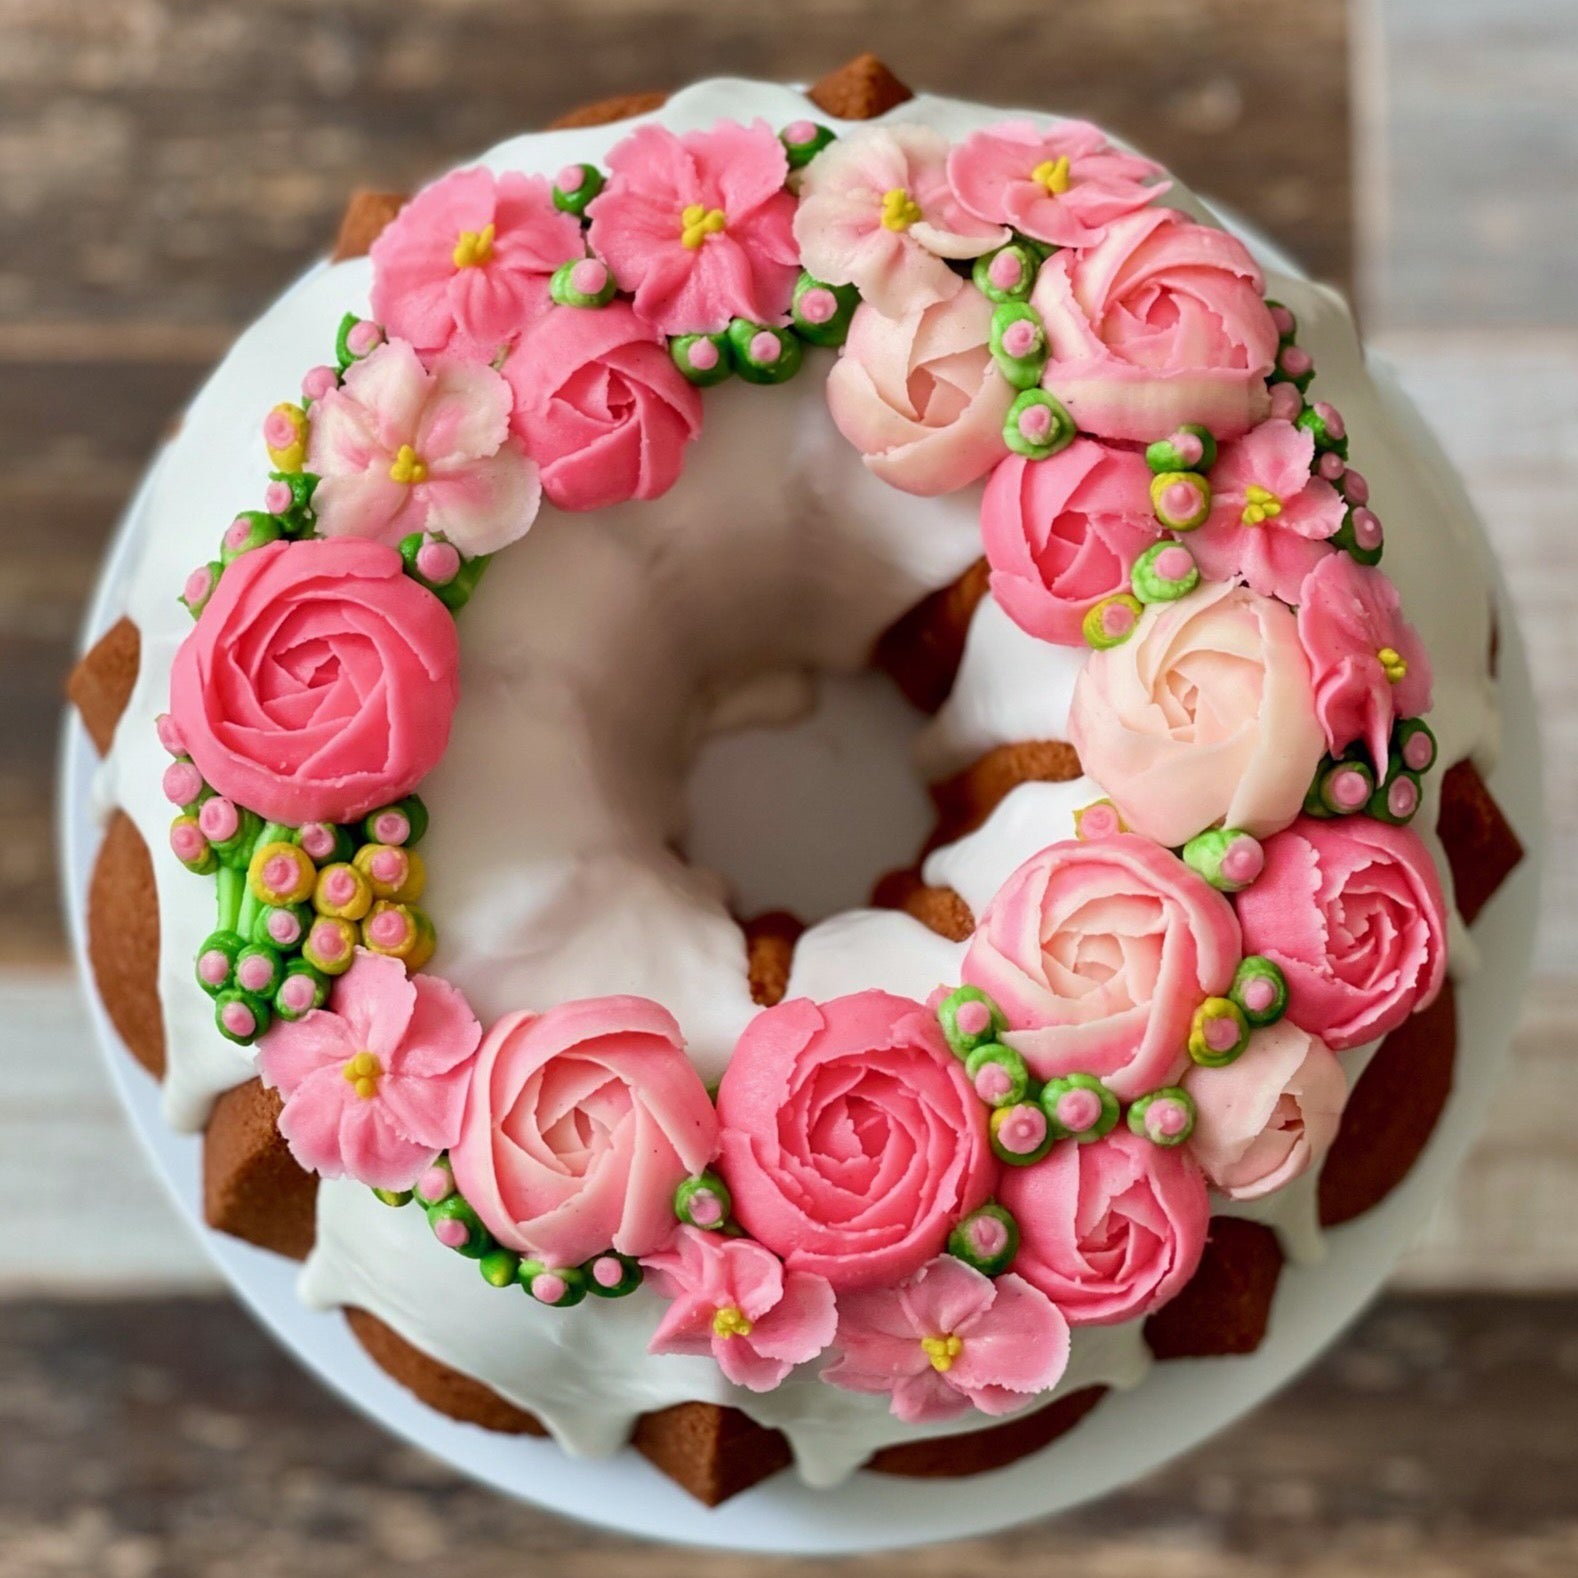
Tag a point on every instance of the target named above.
point(876, 212)
point(319, 682)
point(1269, 1115)
point(920, 396)
point(1352, 911)
point(851, 1139)
point(1062, 184)
point(1205, 714)
point(375, 1083)
point(1110, 1230)
point(1269, 517)
point(466, 263)
point(697, 226)
point(1368, 663)
point(950, 1339)
point(601, 407)
point(1063, 533)
point(581, 1123)
point(1160, 323)
point(1098, 953)
point(399, 448)
point(733, 1299)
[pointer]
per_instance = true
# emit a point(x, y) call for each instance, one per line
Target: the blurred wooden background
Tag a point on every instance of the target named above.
point(166, 166)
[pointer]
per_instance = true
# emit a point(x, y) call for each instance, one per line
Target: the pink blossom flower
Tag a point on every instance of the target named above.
point(698, 226)
point(1269, 517)
point(374, 1084)
point(1062, 184)
point(734, 1300)
point(1368, 663)
point(400, 449)
point(876, 212)
point(949, 1339)
point(1063, 533)
point(465, 264)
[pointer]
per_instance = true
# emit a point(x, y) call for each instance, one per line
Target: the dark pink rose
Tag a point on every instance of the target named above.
point(580, 1124)
point(601, 406)
point(1063, 533)
point(1110, 1230)
point(319, 682)
point(1352, 911)
point(851, 1141)
point(1161, 322)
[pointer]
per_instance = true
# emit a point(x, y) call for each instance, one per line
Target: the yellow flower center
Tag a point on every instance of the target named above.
point(697, 223)
point(899, 209)
point(731, 1321)
point(474, 247)
point(942, 1351)
point(1260, 505)
point(1053, 175)
point(362, 1073)
point(408, 466)
point(1393, 664)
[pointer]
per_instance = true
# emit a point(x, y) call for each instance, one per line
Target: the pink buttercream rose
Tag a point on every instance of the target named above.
point(1352, 911)
point(876, 212)
point(920, 396)
point(851, 1138)
point(1368, 663)
point(1063, 184)
point(1160, 323)
point(1269, 1115)
point(1110, 1230)
point(466, 263)
point(1063, 533)
point(698, 226)
point(601, 407)
point(734, 1300)
point(400, 448)
point(1269, 517)
point(319, 682)
point(949, 1339)
point(1098, 953)
point(1204, 715)
point(581, 1123)
point(375, 1083)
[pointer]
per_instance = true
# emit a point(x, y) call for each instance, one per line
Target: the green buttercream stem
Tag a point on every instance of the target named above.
point(232, 888)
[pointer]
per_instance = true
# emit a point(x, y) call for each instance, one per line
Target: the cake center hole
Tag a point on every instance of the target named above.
point(806, 815)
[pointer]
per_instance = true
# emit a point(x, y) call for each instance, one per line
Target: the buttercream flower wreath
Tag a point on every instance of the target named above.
point(933, 1193)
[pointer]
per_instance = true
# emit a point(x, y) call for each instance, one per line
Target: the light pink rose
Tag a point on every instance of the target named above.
point(852, 1141)
point(580, 1125)
point(950, 1339)
point(1352, 911)
point(319, 682)
point(1098, 953)
point(1205, 715)
point(1160, 323)
point(1269, 1115)
point(1110, 1230)
point(601, 407)
point(1063, 533)
point(920, 396)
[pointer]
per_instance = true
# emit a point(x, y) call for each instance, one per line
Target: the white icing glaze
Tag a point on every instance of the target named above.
point(595, 656)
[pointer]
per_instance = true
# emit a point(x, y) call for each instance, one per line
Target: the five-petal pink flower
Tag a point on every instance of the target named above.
point(949, 1339)
point(1269, 517)
point(374, 1084)
point(464, 266)
point(734, 1300)
point(698, 226)
point(876, 212)
point(1062, 184)
point(400, 448)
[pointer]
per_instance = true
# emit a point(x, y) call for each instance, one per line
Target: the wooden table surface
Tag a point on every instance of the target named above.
point(167, 165)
